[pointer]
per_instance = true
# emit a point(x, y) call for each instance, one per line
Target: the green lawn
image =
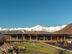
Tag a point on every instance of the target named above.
point(36, 47)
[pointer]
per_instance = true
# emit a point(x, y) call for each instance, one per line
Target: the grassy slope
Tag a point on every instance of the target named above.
point(36, 47)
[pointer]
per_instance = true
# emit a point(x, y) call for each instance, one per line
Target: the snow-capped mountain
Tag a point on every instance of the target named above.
point(47, 29)
point(35, 28)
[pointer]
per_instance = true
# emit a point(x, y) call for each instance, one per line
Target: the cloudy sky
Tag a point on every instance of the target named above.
point(28, 13)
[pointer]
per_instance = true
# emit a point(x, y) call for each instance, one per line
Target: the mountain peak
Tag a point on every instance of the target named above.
point(38, 26)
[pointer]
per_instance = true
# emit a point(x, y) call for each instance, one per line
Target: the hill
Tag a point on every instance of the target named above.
point(66, 30)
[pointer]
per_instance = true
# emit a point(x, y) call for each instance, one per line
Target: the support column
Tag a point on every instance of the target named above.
point(17, 37)
point(30, 38)
point(51, 37)
point(61, 39)
point(57, 41)
point(10, 38)
point(64, 38)
point(44, 38)
point(65, 42)
point(57, 38)
point(36, 38)
point(23, 37)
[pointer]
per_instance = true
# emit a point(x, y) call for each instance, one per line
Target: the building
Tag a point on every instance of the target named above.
point(62, 35)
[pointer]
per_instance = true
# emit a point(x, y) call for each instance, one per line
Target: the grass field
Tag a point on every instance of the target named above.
point(38, 48)
point(35, 47)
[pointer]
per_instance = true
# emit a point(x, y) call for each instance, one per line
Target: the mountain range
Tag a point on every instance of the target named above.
point(35, 28)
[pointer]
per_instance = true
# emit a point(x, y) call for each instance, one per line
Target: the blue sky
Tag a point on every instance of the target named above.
point(28, 13)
